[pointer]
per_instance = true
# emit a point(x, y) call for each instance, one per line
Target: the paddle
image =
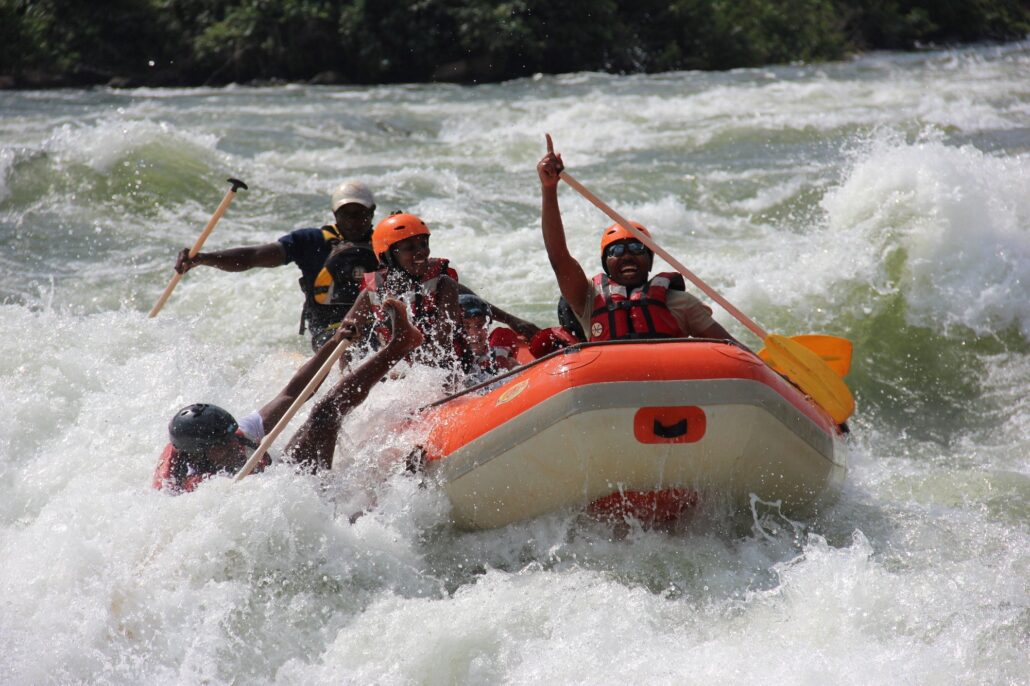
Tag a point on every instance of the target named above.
point(834, 351)
point(301, 398)
point(789, 357)
point(226, 201)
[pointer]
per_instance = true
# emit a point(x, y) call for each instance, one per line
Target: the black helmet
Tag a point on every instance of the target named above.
point(195, 428)
point(473, 305)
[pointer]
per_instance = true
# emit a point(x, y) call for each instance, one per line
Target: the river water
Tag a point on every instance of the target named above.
point(885, 199)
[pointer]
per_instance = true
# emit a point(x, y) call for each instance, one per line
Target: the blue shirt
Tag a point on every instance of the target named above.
point(309, 249)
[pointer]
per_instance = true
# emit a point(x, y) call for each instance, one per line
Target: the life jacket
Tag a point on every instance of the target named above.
point(336, 286)
point(182, 476)
point(504, 343)
point(424, 309)
point(500, 355)
point(546, 341)
point(641, 313)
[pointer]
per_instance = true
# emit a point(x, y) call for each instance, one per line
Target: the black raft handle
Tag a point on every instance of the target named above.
point(672, 431)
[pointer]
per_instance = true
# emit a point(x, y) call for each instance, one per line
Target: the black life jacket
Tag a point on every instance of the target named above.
point(335, 288)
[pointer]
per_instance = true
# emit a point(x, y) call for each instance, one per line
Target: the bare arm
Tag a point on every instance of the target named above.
point(234, 259)
point(272, 412)
point(450, 311)
point(572, 280)
point(359, 316)
point(524, 328)
point(315, 442)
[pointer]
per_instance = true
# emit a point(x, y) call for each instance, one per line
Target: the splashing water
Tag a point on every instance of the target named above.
point(882, 199)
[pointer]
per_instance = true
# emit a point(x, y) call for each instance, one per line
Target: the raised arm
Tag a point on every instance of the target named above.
point(359, 316)
point(315, 442)
point(234, 259)
point(572, 280)
point(276, 408)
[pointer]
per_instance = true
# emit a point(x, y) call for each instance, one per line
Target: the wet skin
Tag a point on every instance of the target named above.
point(628, 269)
point(476, 333)
point(412, 255)
point(354, 221)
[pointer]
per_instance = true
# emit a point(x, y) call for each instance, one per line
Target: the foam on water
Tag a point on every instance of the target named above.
point(108, 142)
point(946, 226)
point(883, 199)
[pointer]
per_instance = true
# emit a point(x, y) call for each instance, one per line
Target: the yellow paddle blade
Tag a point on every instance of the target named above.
point(834, 351)
point(813, 376)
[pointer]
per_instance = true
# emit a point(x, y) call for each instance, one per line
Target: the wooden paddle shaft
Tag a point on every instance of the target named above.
point(226, 201)
point(696, 280)
point(799, 364)
point(308, 391)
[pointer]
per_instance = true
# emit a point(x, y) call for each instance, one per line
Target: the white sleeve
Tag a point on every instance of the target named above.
point(252, 426)
point(584, 318)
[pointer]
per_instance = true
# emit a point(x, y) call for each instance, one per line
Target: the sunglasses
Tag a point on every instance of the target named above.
point(619, 249)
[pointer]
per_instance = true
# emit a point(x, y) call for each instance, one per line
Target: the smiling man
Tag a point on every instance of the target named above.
point(408, 273)
point(622, 302)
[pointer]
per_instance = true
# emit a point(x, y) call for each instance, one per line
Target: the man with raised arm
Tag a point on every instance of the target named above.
point(622, 302)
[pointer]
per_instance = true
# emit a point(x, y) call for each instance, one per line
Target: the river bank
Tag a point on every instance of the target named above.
point(187, 43)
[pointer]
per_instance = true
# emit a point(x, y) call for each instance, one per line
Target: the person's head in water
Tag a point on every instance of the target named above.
point(401, 242)
point(624, 258)
point(352, 204)
point(208, 436)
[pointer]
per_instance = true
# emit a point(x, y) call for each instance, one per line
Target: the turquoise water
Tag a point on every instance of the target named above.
point(884, 199)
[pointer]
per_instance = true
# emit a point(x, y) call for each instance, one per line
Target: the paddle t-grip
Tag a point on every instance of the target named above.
point(226, 201)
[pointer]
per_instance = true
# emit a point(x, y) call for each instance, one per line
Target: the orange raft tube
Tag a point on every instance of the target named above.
point(647, 429)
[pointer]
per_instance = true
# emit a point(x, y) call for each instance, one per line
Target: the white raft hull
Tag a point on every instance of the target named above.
point(589, 434)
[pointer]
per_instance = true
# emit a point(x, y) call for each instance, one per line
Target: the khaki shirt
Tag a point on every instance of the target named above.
point(692, 315)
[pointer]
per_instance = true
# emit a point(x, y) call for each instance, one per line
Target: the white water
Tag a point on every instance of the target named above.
point(885, 200)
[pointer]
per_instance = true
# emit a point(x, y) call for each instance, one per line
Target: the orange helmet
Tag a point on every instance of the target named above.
point(394, 228)
point(616, 232)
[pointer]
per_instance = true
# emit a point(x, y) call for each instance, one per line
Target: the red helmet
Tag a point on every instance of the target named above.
point(395, 228)
point(616, 232)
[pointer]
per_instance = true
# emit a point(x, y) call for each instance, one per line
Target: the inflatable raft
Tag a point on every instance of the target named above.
point(647, 429)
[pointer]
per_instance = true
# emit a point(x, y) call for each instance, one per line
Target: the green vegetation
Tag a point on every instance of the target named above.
point(165, 42)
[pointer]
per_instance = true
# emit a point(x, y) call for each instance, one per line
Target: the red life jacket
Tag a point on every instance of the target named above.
point(503, 342)
point(640, 314)
point(174, 473)
point(546, 341)
point(501, 353)
point(424, 308)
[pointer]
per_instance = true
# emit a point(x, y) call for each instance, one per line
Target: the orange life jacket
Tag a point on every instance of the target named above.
point(641, 313)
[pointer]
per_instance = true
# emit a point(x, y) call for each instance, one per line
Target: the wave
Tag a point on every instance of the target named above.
point(945, 227)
